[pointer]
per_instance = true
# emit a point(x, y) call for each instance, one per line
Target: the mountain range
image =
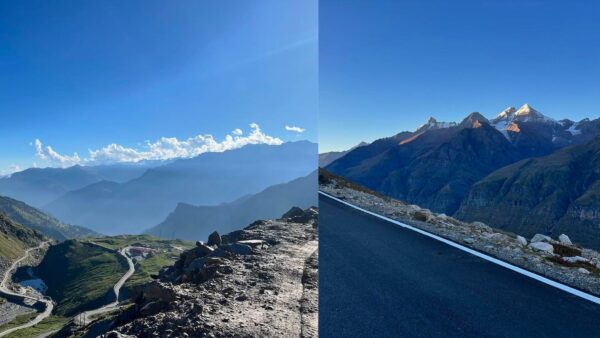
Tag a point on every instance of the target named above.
point(441, 164)
point(553, 194)
point(328, 157)
point(133, 206)
point(188, 221)
point(39, 186)
point(36, 219)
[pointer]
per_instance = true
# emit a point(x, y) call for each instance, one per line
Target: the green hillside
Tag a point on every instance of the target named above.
point(80, 275)
point(35, 219)
point(15, 238)
point(167, 253)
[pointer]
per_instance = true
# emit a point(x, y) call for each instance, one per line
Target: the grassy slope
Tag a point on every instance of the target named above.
point(167, 255)
point(49, 324)
point(80, 276)
point(35, 219)
point(15, 238)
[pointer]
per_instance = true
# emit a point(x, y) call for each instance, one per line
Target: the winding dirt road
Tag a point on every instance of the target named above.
point(5, 290)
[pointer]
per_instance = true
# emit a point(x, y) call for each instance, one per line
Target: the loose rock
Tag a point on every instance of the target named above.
point(542, 246)
point(564, 239)
point(541, 238)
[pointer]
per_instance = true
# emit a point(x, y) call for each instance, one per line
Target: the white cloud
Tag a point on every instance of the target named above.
point(294, 129)
point(10, 170)
point(164, 148)
point(55, 159)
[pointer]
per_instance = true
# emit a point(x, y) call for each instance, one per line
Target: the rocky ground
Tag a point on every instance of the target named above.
point(256, 282)
point(9, 310)
point(558, 259)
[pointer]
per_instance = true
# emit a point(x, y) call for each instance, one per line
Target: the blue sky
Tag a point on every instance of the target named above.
point(80, 75)
point(386, 66)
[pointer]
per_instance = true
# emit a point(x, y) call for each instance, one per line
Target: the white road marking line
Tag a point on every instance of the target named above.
point(514, 268)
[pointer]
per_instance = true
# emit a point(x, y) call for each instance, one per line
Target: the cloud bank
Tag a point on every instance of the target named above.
point(294, 129)
point(165, 148)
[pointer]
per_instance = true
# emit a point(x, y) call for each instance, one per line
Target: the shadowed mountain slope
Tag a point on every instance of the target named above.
point(197, 222)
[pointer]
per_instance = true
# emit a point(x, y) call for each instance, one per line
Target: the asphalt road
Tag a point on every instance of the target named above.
point(377, 279)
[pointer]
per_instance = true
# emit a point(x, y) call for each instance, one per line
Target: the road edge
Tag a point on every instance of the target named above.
point(522, 271)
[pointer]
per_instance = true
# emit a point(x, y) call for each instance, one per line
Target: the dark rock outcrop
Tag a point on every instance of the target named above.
point(214, 238)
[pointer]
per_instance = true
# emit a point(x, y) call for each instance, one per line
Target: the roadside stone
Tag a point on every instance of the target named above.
point(214, 239)
point(469, 240)
point(575, 259)
point(420, 215)
point(542, 246)
point(583, 271)
point(540, 238)
point(564, 239)
point(521, 240)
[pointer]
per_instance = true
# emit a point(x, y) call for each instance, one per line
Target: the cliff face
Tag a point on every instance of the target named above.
point(260, 281)
point(558, 193)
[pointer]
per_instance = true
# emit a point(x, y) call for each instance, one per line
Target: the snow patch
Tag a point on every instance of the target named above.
point(573, 129)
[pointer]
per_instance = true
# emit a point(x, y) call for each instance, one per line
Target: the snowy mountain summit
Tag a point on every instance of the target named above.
point(524, 114)
point(432, 123)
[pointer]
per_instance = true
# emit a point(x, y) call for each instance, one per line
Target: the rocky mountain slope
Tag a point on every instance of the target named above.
point(256, 282)
point(558, 193)
point(436, 165)
point(326, 158)
point(208, 179)
point(189, 221)
point(39, 221)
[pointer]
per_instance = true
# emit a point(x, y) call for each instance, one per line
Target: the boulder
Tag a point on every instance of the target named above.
point(237, 249)
point(469, 240)
point(153, 308)
point(293, 213)
point(202, 249)
point(575, 259)
point(218, 252)
point(255, 243)
point(583, 271)
point(521, 240)
point(542, 247)
point(214, 239)
point(199, 263)
point(422, 215)
point(298, 215)
point(541, 238)
point(155, 291)
point(564, 239)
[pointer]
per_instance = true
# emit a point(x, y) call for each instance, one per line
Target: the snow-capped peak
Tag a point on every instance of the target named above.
point(526, 110)
point(432, 123)
point(506, 113)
